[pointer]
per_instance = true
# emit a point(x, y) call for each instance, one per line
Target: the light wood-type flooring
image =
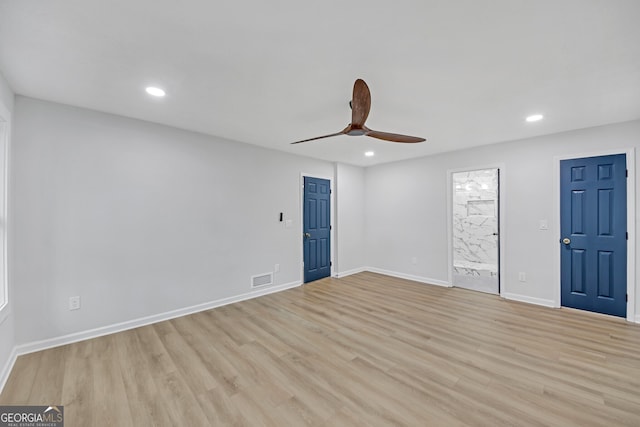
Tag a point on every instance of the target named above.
point(365, 350)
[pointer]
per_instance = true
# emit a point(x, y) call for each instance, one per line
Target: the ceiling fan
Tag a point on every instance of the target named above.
point(360, 106)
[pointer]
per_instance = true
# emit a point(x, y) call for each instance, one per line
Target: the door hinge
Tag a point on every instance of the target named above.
point(626, 298)
point(626, 235)
point(626, 173)
point(330, 263)
point(331, 227)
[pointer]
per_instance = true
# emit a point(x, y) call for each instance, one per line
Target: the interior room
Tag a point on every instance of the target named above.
point(188, 238)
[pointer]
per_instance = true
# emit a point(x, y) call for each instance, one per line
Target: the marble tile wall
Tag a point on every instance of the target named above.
point(475, 209)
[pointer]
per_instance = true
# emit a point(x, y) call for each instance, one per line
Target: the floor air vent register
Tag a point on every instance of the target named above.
point(261, 280)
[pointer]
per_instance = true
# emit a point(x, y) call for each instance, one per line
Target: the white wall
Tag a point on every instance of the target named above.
point(7, 338)
point(350, 219)
point(140, 219)
point(406, 206)
point(6, 94)
point(406, 218)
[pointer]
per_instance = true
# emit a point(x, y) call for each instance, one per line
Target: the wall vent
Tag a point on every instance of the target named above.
point(262, 280)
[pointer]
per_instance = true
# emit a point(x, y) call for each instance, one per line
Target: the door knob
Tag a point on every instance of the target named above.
point(566, 240)
point(307, 235)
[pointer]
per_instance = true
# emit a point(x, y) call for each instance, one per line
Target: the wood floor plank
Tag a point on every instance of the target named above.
point(180, 403)
point(179, 342)
point(24, 374)
point(219, 409)
point(50, 371)
point(143, 398)
point(80, 403)
point(109, 394)
point(365, 350)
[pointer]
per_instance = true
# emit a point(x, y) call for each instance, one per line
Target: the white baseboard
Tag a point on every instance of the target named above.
point(350, 272)
point(530, 300)
point(420, 279)
point(547, 303)
point(6, 370)
point(136, 323)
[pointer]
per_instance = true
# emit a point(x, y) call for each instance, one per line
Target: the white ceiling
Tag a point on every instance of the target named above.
point(457, 72)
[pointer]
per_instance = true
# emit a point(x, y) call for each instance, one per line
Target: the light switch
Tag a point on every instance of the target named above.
point(544, 224)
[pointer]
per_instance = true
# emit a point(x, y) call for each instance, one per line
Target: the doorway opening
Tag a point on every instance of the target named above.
point(475, 230)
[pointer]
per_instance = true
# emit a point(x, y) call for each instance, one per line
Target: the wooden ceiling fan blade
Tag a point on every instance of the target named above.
point(360, 103)
point(394, 137)
point(319, 137)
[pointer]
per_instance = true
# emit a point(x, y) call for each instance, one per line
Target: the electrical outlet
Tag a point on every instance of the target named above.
point(522, 276)
point(74, 303)
point(276, 268)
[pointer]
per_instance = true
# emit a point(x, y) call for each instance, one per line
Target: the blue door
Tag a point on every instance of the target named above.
point(316, 229)
point(593, 216)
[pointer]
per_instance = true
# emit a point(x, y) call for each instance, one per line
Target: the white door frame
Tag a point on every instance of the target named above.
point(502, 217)
point(631, 224)
point(5, 138)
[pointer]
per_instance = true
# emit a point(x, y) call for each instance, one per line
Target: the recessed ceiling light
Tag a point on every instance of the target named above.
point(535, 117)
point(369, 153)
point(155, 91)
